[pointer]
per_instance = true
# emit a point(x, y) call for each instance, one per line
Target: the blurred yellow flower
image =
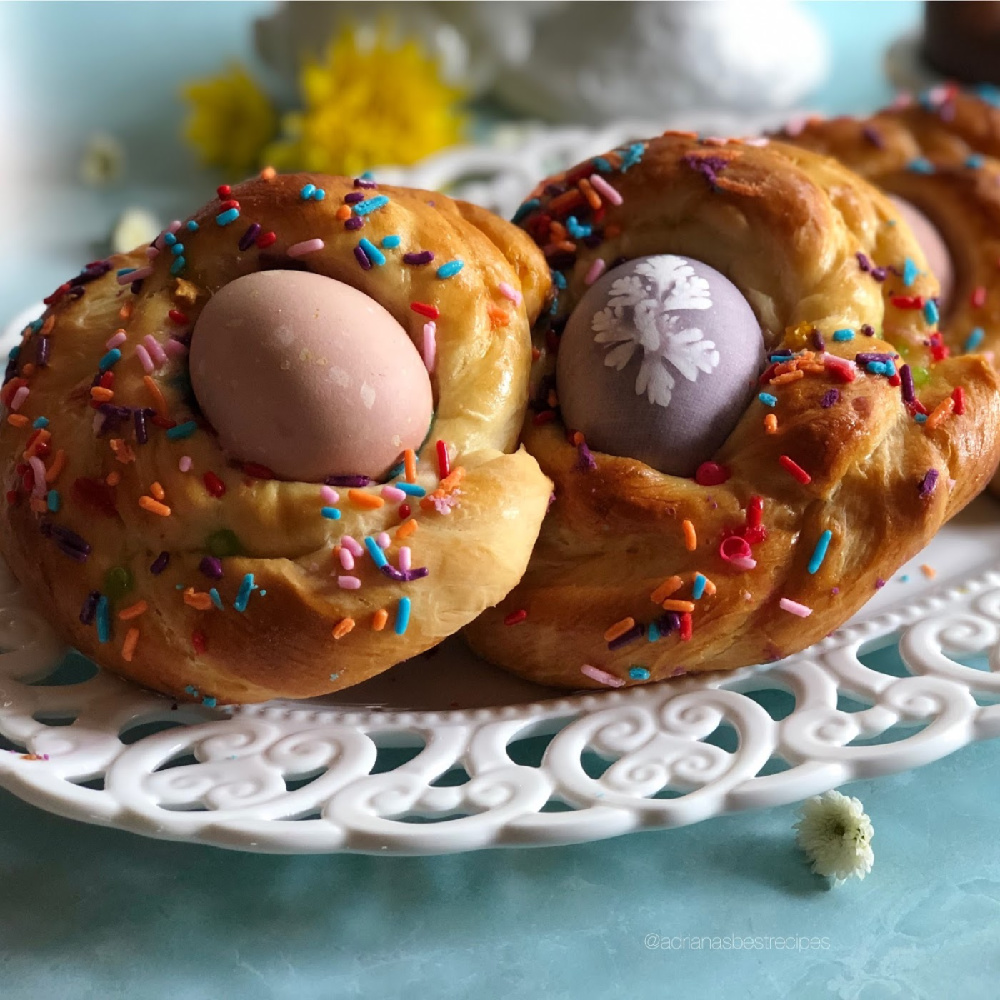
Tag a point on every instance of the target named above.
point(230, 122)
point(366, 103)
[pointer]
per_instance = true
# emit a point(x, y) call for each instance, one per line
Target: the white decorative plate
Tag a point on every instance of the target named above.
point(444, 753)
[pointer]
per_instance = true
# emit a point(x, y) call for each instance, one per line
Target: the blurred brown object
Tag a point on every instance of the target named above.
point(962, 39)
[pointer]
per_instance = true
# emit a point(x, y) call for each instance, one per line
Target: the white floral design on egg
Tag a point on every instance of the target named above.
point(642, 312)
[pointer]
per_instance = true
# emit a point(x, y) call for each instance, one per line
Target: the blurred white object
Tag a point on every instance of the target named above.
point(592, 62)
point(103, 160)
point(134, 227)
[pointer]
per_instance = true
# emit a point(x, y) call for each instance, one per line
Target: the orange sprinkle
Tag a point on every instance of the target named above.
point(197, 599)
point(682, 606)
point(159, 403)
point(535, 354)
point(37, 439)
point(123, 452)
point(929, 571)
point(940, 413)
point(268, 174)
point(48, 325)
point(669, 586)
point(452, 479)
point(613, 230)
point(587, 190)
point(565, 201)
point(128, 646)
point(17, 420)
point(379, 619)
point(58, 464)
point(787, 377)
point(690, 536)
point(553, 399)
point(157, 490)
point(771, 424)
point(154, 506)
point(344, 212)
point(38, 505)
point(619, 629)
point(498, 316)
point(710, 587)
point(113, 478)
point(101, 394)
point(126, 310)
point(409, 466)
point(133, 611)
point(28, 370)
point(557, 231)
point(576, 439)
point(366, 501)
point(406, 529)
point(342, 627)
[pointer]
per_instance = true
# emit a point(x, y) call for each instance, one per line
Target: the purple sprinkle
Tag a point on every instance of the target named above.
point(357, 481)
point(593, 241)
point(555, 189)
point(416, 574)
point(247, 239)
point(76, 292)
point(424, 257)
point(708, 166)
point(90, 273)
point(184, 337)
point(866, 357)
point(867, 329)
point(139, 418)
point(817, 340)
point(863, 262)
point(637, 631)
point(68, 550)
point(873, 136)
point(355, 222)
point(562, 260)
point(906, 379)
point(362, 258)
point(353, 197)
point(668, 622)
point(394, 574)
point(42, 357)
point(879, 583)
point(211, 567)
point(89, 610)
point(160, 563)
point(585, 461)
point(363, 182)
point(947, 111)
point(878, 273)
point(134, 288)
point(830, 397)
point(928, 483)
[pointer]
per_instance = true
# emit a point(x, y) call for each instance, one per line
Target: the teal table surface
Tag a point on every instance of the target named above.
point(94, 914)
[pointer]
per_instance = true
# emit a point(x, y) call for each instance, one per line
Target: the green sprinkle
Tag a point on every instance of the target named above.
point(118, 582)
point(224, 543)
point(921, 376)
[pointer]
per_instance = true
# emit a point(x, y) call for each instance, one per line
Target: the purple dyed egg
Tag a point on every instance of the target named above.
point(658, 362)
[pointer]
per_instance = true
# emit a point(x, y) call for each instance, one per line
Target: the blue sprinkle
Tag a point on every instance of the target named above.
point(330, 513)
point(698, 587)
point(37, 324)
point(372, 252)
point(411, 489)
point(819, 553)
point(931, 311)
point(178, 265)
point(378, 556)
point(246, 589)
point(450, 269)
point(319, 194)
point(192, 226)
point(974, 339)
point(974, 161)
point(368, 176)
point(53, 501)
point(653, 634)
point(527, 208)
point(103, 619)
point(209, 702)
point(369, 205)
point(402, 615)
point(576, 230)
point(638, 673)
point(921, 165)
point(633, 155)
point(177, 249)
point(988, 92)
point(125, 270)
point(182, 431)
point(390, 242)
point(110, 359)
point(890, 367)
point(41, 422)
point(307, 191)
point(601, 165)
point(910, 272)
point(190, 689)
point(558, 279)
point(920, 418)
point(875, 368)
point(229, 215)
point(767, 399)
point(170, 239)
point(905, 578)
point(13, 352)
point(843, 335)
point(216, 599)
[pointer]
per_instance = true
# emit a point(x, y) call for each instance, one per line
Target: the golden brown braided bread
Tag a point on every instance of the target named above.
point(861, 444)
point(193, 571)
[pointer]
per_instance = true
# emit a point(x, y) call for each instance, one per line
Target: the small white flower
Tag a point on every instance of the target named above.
point(836, 834)
point(134, 227)
point(103, 160)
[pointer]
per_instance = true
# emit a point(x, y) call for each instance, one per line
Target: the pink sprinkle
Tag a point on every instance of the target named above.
point(430, 345)
point(113, 341)
point(601, 676)
point(19, 397)
point(757, 140)
point(306, 246)
point(38, 468)
point(737, 552)
point(743, 562)
point(127, 279)
point(404, 558)
point(510, 293)
point(346, 559)
point(382, 540)
point(595, 271)
point(392, 494)
point(329, 495)
point(155, 351)
point(601, 186)
point(185, 463)
point(175, 348)
point(348, 582)
point(144, 359)
point(352, 546)
point(98, 423)
point(796, 609)
point(151, 252)
point(796, 125)
point(174, 226)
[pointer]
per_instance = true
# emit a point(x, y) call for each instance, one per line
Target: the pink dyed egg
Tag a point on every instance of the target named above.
point(308, 376)
point(933, 245)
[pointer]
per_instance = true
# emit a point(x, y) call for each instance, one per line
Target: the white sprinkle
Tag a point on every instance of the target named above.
point(367, 395)
point(185, 463)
